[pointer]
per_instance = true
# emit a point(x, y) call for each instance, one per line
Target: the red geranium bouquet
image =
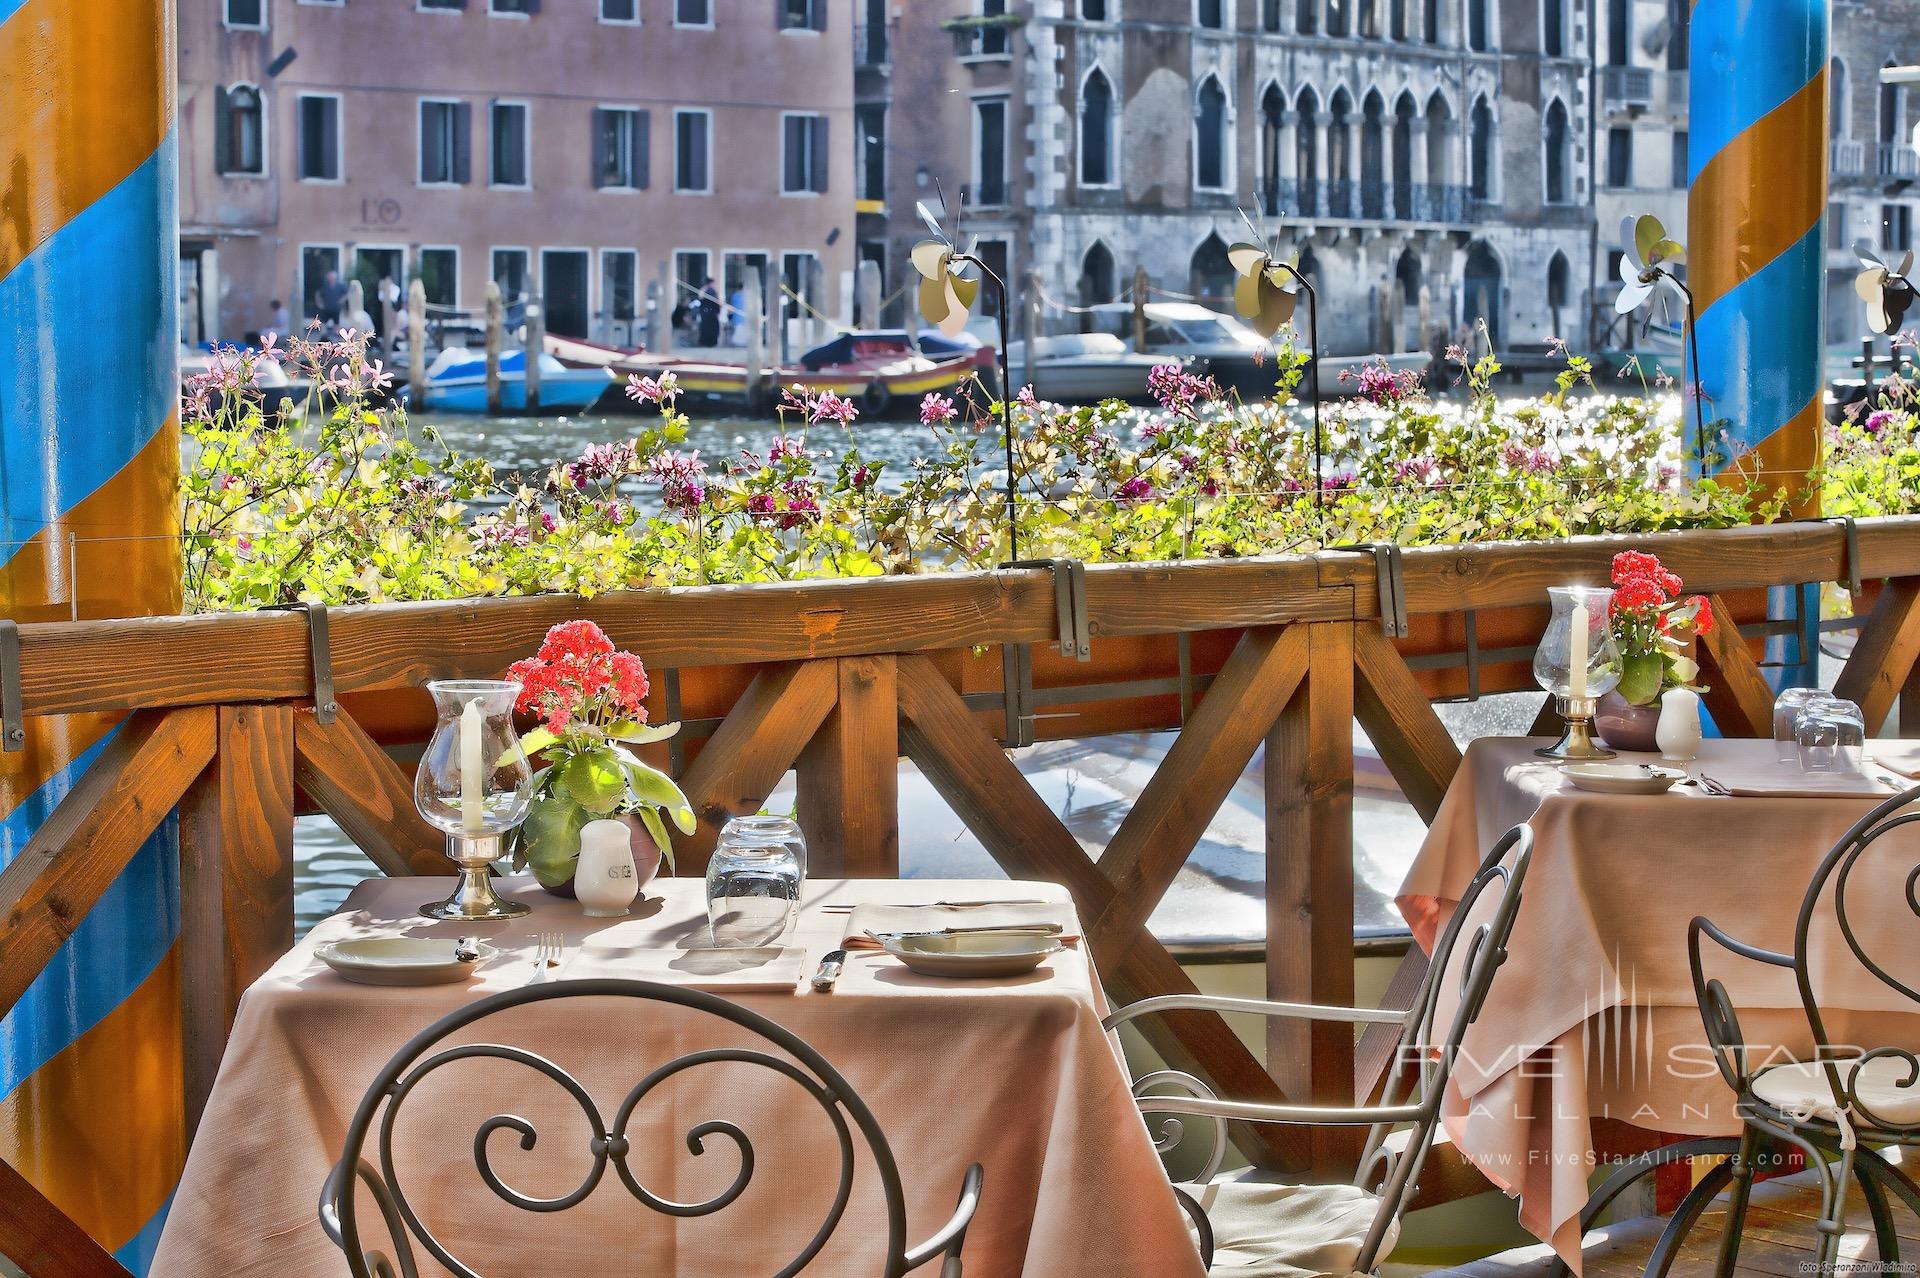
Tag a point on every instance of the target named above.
point(591, 702)
point(1654, 627)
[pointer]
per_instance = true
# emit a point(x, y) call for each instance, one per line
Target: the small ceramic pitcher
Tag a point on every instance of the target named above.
point(1678, 732)
point(605, 881)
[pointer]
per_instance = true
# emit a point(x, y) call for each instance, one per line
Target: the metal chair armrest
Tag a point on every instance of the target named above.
point(1262, 1112)
point(950, 1237)
point(1252, 1007)
point(1717, 1015)
point(373, 1262)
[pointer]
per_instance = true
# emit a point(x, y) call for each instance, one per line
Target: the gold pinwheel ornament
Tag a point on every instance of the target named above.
point(1887, 292)
point(946, 296)
point(1647, 260)
point(1265, 289)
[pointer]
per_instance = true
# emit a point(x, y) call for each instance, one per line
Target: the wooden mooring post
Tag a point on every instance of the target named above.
point(536, 344)
point(496, 321)
point(754, 294)
point(1139, 308)
point(867, 294)
point(417, 343)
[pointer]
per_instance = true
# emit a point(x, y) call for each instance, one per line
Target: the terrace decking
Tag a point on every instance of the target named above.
point(1777, 1242)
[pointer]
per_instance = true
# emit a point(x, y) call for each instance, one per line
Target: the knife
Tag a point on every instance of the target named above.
point(829, 971)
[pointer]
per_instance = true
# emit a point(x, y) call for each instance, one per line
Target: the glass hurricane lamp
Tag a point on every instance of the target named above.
point(1578, 662)
point(474, 786)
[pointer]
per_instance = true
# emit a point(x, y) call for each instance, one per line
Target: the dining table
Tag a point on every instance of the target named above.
point(1014, 1073)
point(1593, 1015)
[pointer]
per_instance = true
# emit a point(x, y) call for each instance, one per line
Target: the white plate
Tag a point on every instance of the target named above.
point(401, 960)
point(975, 955)
point(1623, 778)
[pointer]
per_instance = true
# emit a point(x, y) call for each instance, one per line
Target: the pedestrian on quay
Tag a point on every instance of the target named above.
point(709, 310)
point(329, 298)
point(280, 320)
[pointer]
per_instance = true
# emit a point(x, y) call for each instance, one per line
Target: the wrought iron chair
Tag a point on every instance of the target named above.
point(1839, 1108)
point(1244, 1223)
point(610, 1144)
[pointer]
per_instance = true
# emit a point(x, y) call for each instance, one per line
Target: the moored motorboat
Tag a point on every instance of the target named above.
point(880, 371)
point(1083, 368)
point(457, 383)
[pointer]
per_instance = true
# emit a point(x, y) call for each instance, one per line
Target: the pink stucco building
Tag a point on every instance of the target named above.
point(577, 148)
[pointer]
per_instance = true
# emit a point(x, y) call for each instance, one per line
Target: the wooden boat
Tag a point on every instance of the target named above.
point(879, 370)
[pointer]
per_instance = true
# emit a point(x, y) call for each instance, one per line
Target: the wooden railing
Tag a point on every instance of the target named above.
point(836, 680)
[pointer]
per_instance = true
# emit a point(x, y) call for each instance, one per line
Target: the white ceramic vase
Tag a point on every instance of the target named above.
point(1678, 732)
point(606, 881)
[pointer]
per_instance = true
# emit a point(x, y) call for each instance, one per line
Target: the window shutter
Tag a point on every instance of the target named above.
point(819, 144)
point(330, 139)
point(779, 15)
point(596, 147)
point(817, 15)
point(222, 131)
point(462, 136)
point(642, 147)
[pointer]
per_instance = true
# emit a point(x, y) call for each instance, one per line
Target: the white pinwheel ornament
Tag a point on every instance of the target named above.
point(1887, 292)
point(1646, 262)
point(946, 296)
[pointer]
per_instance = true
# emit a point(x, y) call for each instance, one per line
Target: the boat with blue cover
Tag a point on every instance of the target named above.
point(457, 383)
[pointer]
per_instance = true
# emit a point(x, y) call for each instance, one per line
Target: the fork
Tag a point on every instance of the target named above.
point(548, 947)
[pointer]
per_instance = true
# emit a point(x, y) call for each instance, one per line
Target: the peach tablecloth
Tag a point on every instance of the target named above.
point(1594, 1014)
point(1016, 1075)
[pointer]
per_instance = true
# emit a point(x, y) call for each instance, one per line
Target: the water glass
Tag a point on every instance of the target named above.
point(1786, 708)
point(786, 829)
point(753, 889)
point(1831, 737)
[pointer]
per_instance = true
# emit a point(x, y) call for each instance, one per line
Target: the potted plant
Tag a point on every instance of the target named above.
point(591, 703)
point(1655, 628)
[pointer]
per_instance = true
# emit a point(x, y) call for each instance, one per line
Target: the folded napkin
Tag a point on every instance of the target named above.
point(867, 921)
point(1902, 757)
point(1788, 781)
point(700, 967)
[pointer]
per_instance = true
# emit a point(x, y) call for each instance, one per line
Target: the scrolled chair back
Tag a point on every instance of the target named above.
point(1864, 1089)
point(1485, 917)
point(610, 1143)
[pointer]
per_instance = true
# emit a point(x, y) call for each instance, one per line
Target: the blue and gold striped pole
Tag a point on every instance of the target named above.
point(1756, 204)
point(90, 1058)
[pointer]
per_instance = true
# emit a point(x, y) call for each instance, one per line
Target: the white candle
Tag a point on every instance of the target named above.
point(473, 769)
point(1577, 654)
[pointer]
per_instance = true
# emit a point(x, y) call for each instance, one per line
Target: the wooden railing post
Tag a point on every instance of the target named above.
point(236, 881)
point(1309, 795)
point(849, 775)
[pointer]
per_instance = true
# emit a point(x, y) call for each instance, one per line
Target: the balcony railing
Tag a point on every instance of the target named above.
point(1340, 199)
point(1628, 88)
point(1440, 202)
point(1849, 157)
point(1677, 91)
point(1898, 160)
point(1379, 201)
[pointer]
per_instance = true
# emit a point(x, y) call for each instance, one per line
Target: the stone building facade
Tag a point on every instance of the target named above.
point(1429, 160)
point(1872, 130)
point(575, 150)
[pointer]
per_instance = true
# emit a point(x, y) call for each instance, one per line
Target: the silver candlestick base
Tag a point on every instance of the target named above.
point(474, 897)
point(1577, 741)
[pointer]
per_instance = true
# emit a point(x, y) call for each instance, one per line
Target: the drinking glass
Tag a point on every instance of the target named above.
point(753, 888)
point(786, 829)
point(1786, 708)
point(1830, 737)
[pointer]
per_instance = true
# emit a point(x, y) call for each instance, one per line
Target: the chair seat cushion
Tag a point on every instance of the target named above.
point(1267, 1230)
point(1802, 1089)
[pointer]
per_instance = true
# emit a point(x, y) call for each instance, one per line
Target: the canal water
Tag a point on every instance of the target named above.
point(1091, 784)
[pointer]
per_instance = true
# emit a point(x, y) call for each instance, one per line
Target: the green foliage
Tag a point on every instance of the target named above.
point(342, 503)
